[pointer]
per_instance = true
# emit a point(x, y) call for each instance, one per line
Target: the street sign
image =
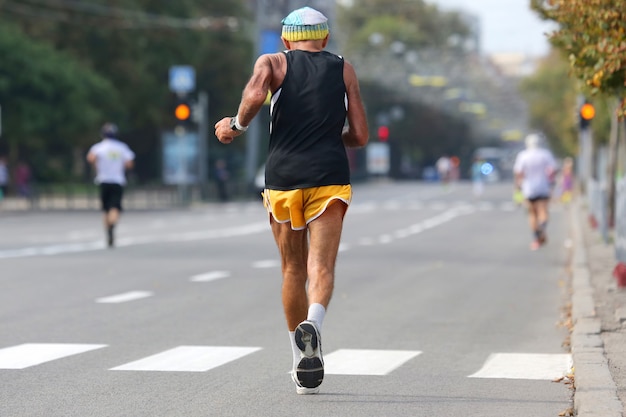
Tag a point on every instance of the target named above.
point(378, 158)
point(182, 79)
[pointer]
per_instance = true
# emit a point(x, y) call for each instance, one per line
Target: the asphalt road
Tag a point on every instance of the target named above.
point(440, 309)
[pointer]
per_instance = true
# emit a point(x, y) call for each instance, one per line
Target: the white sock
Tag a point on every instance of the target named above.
point(316, 314)
point(294, 349)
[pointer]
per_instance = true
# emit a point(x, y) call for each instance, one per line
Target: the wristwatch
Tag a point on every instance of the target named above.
point(234, 125)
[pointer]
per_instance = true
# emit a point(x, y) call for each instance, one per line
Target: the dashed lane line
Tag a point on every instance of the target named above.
point(124, 297)
point(210, 276)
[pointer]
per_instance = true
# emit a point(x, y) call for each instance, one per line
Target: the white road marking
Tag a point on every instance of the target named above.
point(525, 366)
point(438, 205)
point(366, 362)
point(268, 263)
point(124, 297)
point(31, 354)
point(210, 276)
point(139, 240)
point(366, 241)
point(508, 206)
point(384, 239)
point(188, 359)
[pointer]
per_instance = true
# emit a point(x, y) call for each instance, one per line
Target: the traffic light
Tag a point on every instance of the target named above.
point(586, 115)
point(383, 133)
point(183, 110)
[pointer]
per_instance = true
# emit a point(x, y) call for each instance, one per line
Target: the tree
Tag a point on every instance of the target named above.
point(415, 23)
point(132, 44)
point(50, 102)
point(551, 96)
point(593, 33)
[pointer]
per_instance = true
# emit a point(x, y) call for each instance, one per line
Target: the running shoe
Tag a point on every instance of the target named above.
point(535, 244)
point(309, 372)
point(303, 390)
point(543, 239)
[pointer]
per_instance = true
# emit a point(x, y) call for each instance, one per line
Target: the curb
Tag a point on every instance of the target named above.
point(596, 392)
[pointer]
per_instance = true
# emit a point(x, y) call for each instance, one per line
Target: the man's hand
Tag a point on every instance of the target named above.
point(224, 132)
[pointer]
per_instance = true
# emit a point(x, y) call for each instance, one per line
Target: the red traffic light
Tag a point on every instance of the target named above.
point(383, 133)
point(182, 112)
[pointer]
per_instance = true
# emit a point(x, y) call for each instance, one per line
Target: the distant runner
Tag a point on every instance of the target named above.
point(534, 171)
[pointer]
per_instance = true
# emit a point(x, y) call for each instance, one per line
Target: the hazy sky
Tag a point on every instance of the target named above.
point(507, 25)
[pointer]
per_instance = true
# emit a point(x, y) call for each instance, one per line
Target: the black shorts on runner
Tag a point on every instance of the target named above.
point(111, 196)
point(538, 198)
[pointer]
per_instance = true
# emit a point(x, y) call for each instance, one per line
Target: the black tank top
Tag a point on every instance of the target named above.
point(308, 113)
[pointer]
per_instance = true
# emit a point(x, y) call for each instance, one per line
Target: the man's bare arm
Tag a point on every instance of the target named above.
point(255, 92)
point(356, 134)
point(252, 99)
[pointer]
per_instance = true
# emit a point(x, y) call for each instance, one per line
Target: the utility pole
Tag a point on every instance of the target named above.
point(612, 163)
point(203, 142)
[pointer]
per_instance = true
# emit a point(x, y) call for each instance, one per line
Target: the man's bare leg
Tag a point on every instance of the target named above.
point(309, 261)
point(292, 246)
point(111, 218)
point(542, 219)
point(325, 236)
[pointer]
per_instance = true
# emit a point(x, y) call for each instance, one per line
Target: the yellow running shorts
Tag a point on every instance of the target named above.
point(302, 206)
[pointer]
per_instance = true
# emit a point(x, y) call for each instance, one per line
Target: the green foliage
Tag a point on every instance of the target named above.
point(551, 96)
point(593, 35)
point(371, 30)
point(413, 22)
point(128, 47)
point(50, 102)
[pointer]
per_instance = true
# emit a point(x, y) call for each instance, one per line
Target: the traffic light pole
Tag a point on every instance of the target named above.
point(585, 156)
point(203, 143)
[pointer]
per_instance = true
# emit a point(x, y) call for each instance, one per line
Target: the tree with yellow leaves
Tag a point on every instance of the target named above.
point(593, 34)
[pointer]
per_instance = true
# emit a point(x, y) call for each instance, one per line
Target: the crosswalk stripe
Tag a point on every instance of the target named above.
point(366, 362)
point(525, 366)
point(31, 354)
point(188, 359)
point(124, 297)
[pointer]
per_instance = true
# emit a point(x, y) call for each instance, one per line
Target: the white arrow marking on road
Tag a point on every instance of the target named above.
point(366, 362)
point(188, 359)
point(31, 354)
point(127, 296)
point(525, 366)
point(210, 276)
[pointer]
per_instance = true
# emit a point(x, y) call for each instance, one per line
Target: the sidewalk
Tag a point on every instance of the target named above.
point(598, 339)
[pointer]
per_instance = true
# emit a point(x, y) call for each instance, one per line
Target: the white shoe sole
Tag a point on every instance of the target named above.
point(309, 372)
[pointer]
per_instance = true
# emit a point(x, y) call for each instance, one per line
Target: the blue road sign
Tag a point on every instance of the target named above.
point(182, 79)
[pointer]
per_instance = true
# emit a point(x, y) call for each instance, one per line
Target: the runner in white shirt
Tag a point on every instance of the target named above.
point(111, 158)
point(534, 171)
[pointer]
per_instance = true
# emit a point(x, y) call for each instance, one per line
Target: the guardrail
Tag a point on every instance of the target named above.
point(86, 197)
point(597, 199)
